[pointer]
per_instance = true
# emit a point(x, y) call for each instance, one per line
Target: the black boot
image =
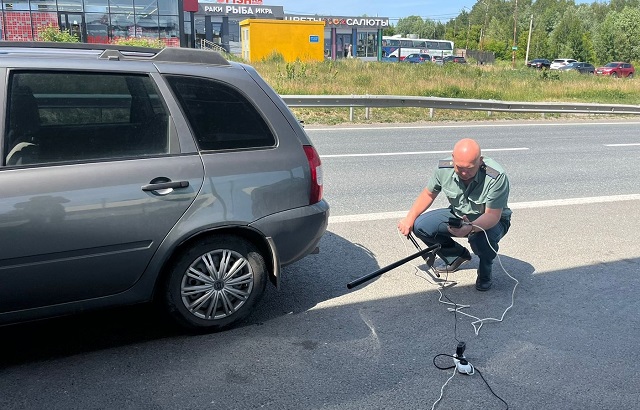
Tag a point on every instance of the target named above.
point(483, 282)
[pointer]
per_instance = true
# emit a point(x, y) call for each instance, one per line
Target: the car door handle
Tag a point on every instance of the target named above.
point(165, 185)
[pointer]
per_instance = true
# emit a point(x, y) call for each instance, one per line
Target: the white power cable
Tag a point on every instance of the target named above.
point(482, 321)
point(457, 307)
point(443, 386)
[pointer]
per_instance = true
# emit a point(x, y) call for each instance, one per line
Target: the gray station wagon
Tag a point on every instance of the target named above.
point(131, 174)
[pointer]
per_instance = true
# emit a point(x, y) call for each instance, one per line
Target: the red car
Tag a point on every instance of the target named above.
point(617, 69)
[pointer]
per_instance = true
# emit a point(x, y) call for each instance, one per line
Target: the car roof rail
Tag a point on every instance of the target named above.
point(121, 52)
point(168, 54)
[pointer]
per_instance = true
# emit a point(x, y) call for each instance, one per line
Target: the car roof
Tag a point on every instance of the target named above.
point(40, 49)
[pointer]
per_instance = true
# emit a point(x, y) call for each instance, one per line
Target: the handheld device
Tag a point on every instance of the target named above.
point(455, 222)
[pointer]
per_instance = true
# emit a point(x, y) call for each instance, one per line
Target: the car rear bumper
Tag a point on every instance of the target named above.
point(296, 232)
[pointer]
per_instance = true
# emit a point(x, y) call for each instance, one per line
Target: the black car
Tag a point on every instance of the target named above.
point(454, 59)
point(582, 68)
point(539, 63)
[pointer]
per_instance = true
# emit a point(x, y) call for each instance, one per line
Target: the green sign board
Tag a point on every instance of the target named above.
point(514, 47)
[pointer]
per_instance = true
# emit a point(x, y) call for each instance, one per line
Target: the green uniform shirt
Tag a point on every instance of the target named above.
point(489, 188)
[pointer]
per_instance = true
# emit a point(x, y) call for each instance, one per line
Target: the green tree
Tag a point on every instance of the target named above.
point(410, 25)
point(627, 34)
point(605, 41)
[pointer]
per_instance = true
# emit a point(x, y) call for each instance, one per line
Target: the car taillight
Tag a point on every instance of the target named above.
point(315, 166)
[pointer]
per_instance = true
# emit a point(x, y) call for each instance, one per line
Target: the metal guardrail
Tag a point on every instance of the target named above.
point(391, 101)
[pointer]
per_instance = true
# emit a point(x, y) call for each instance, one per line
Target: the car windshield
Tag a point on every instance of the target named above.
point(571, 65)
point(612, 65)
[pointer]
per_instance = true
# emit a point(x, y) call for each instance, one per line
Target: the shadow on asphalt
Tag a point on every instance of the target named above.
point(304, 284)
point(371, 350)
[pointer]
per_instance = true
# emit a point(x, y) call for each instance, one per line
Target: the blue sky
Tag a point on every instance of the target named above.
point(394, 9)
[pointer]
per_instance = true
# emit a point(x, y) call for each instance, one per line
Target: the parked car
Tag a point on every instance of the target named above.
point(454, 59)
point(417, 58)
point(617, 69)
point(582, 68)
point(560, 62)
point(539, 63)
point(437, 60)
point(130, 174)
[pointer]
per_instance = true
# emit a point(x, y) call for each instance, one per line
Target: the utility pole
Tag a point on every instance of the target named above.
point(484, 26)
point(514, 47)
point(468, 30)
point(529, 39)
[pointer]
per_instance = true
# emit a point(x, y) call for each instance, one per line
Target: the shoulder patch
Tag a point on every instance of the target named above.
point(490, 171)
point(445, 163)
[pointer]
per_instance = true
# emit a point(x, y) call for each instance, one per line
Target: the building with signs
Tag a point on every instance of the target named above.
point(186, 23)
point(350, 36)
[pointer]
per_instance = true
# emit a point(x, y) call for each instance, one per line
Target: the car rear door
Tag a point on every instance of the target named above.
point(94, 177)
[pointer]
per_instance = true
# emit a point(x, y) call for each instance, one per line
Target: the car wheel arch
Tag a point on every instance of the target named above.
point(264, 245)
point(201, 298)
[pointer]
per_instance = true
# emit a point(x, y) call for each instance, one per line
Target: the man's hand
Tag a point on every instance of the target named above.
point(463, 231)
point(405, 226)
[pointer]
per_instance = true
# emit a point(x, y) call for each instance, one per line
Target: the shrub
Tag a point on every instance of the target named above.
point(53, 33)
point(140, 42)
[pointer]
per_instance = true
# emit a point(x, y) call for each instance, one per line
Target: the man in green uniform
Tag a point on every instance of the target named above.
point(477, 189)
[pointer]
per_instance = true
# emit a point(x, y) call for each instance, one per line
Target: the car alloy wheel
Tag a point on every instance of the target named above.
point(216, 283)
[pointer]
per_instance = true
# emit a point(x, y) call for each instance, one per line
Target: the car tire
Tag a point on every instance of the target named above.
point(630, 75)
point(614, 75)
point(215, 283)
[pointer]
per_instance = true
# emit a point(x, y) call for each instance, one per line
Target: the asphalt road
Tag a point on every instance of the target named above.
point(381, 170)
point(568, 342)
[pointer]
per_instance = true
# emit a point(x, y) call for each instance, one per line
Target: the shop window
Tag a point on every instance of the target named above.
point(70, 5)
point(167, 7)
point(96, 6)
point(168, 26)
point(121, 6)
point(17, 5)
point(43, 5)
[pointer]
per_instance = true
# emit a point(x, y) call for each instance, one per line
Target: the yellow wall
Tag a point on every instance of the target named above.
point(260, 38)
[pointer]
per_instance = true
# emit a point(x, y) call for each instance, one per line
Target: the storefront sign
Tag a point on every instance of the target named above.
point(243, 11)
point(190, 5)
point(240, 1)
point(345, 22)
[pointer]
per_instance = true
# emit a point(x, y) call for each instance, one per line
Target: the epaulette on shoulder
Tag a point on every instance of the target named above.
point(490, 171)
point(445, 163)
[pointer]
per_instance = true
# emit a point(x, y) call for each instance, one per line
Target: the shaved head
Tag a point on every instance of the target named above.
point(466, 150)
point(466, 158)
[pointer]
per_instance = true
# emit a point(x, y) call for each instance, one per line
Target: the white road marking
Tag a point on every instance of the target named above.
point(381, 154)
point(420, 127)
point(517, 205)
point(621, 145)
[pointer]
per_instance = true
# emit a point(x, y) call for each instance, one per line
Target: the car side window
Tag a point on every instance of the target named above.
point(61, 117)
point(219, 115)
